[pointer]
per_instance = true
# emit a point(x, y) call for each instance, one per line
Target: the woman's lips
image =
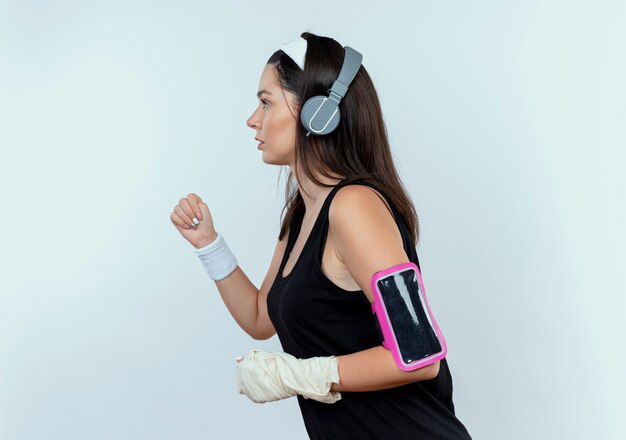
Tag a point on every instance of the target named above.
point(261, 143)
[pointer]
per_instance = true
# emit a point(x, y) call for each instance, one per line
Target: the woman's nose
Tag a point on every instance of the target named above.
point(252, 121)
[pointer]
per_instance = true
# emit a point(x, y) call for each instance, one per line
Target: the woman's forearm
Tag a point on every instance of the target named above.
point(238, 293)
point(241, 299)
point(375, 369)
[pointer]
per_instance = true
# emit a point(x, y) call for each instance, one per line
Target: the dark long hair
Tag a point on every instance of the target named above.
point(357, 148)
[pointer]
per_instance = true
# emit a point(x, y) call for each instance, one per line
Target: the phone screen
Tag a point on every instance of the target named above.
point(408, 314)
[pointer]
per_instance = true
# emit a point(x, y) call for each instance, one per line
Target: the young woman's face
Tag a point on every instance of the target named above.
point(274, 120)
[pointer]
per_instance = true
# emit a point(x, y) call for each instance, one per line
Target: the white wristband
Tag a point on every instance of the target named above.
point(217, 259)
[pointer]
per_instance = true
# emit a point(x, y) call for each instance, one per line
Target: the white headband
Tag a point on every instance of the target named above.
point(296, 49)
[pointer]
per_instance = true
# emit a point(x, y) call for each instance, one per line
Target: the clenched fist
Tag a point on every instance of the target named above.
point(193, 220)
point(266, 376)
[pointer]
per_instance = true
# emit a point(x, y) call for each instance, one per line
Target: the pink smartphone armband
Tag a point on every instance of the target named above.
point(408, 327)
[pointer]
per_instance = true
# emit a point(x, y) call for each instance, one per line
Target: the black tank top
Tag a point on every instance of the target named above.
point(315, 317)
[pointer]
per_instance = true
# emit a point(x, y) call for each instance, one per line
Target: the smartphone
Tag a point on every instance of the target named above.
point(408, 327)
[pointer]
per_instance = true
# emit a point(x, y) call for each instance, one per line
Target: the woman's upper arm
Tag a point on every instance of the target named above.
point(367, 240)
point(264, 327)
point(365, 234)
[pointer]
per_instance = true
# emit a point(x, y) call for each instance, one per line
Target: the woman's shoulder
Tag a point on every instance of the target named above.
point(365, 235)
point(361, 194)
point(362, 210)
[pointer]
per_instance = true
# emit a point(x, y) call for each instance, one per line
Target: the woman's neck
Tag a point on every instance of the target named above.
point(315, 194)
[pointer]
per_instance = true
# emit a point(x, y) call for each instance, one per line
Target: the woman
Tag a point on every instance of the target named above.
point(348, 216)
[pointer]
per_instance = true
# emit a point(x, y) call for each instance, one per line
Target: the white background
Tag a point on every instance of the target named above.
point(507, 121)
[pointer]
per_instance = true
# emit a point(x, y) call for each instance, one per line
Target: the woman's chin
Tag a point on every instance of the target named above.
point(268, 159)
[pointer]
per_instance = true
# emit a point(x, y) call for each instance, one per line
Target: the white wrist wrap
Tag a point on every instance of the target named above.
point(217, 259)
point(266, 376)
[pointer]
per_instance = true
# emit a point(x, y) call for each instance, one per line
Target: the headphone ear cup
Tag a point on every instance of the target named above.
point(308, 111)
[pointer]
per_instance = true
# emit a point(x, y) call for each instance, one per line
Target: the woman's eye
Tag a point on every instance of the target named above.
point(264, 103)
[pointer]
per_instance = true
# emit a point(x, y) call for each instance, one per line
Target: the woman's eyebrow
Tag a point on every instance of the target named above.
point(260, 92)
